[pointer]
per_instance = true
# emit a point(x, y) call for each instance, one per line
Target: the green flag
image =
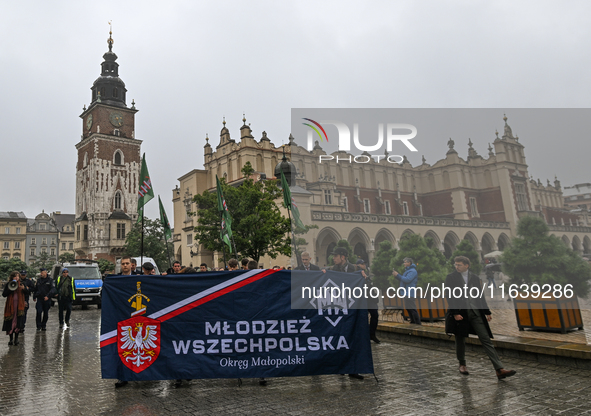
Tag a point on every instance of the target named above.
point(226, 232)
point(145, 191)
point(290, 203)
point(164, 221)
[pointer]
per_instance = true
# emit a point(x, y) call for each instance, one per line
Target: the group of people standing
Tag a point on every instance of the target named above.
point(18, 292)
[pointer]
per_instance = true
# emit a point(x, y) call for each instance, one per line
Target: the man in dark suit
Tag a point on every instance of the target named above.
point(341, 264)
point(471, 315)
point(306, 265)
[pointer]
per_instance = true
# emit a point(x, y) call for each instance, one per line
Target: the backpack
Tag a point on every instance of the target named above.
point(64, 289)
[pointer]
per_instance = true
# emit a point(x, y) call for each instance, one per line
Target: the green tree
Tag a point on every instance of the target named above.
point(380, 266)
point(428, 262)
point(466, 249)
point(153, 242)
point(535, 256)
point(258, 227)
point(10, 265)
point(44, 261)
point(66, 257)
point(108, 266)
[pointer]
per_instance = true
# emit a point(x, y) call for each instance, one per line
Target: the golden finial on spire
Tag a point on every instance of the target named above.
point(243, 118)
point(110, 41)
point(224, 122)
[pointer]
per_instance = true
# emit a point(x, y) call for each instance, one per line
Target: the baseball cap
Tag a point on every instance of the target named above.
point(23, 272)
point(340, 251)
point(360, 261)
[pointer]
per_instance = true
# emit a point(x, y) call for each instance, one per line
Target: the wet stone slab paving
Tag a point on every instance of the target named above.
point(57, 372)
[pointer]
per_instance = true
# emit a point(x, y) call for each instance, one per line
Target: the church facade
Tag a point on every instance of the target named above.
point(107, 167)
point(479, 198)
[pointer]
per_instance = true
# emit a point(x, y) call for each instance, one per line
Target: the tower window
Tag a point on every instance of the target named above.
point(115, 92)
point(121, 231)
point(405, 208)
point(118, 160)
point(117, 132)
point(366, 206)
point(473, 207)
point(118, 200)
point(103, 92)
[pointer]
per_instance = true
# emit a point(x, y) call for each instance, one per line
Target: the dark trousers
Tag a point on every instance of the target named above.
point(25, 314)
point(373, 321)
point(478, 326)
point(42, 307)
point(64, 305)
point(411, 308)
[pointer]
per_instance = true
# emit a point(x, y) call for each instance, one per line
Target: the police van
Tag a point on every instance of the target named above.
point(88, 281)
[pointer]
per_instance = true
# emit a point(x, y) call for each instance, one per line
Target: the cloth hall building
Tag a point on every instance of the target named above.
point(479, 198)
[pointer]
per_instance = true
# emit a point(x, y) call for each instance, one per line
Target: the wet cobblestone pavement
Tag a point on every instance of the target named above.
point(57, 372)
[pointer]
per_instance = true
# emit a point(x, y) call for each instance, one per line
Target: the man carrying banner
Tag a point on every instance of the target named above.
point(306, 265)
point(125, 271)
point(232, 265)
point(341, 264)
point(176, 267)
point(244, 263)
point(372, 303)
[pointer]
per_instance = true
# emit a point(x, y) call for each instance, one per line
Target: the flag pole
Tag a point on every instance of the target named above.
point(142, 246)
point(234, 246)
point(293, 239)
point(223, 242)
point(167, 250)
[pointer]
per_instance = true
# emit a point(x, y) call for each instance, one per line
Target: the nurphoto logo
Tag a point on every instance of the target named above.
point(394, 132)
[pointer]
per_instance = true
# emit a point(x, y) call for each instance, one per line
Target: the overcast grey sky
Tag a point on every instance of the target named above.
point(187, 64)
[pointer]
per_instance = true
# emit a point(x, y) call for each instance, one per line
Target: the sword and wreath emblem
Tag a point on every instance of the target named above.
point(138, 341)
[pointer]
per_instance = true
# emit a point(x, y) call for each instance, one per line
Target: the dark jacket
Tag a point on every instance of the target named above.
point(459, 305)
point(312, 267)
point(44, 287)
point(29, 286)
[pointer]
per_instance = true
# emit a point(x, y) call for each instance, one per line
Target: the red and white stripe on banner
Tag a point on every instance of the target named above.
point(196, 300)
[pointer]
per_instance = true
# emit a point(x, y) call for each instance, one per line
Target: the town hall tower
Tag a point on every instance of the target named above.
point(107, 167)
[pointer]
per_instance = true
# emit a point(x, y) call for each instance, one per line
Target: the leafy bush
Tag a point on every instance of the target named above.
point(535, 256)
point(380, 266)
